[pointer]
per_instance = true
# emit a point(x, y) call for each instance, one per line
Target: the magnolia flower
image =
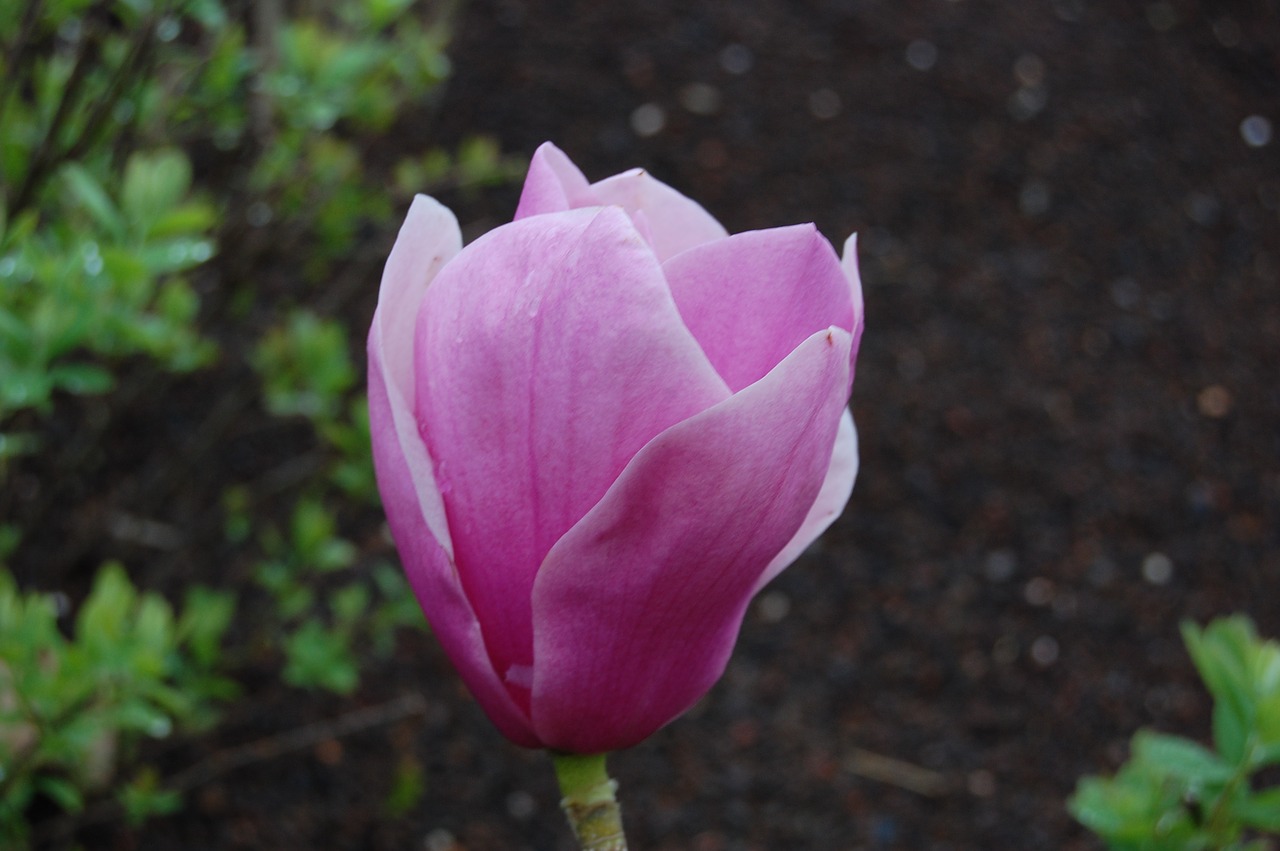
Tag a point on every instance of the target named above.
point(599, 430)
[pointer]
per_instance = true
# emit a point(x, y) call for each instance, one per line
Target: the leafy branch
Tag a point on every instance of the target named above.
point(1176, 795)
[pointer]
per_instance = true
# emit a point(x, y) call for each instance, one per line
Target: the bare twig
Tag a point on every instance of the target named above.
point(896, 772)
point(49, 155)
point(267, 18)
point(17, 52)
point(261, 750)
point(44, 157)
point(133, 68)
point(295, 740)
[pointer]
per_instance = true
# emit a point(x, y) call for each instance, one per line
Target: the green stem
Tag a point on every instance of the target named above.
point(17, 53)
point(43, 157)
point(1218, 823)
point(589, 801)
point(134, 69)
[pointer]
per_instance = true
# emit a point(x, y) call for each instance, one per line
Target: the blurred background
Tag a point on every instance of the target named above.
point(1068, 214)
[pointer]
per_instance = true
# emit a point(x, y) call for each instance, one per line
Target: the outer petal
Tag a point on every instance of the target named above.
point(678, 223)
point(752, 298)
point(553, 184)
point(831, 500)
point(428, 239)
point(548, 353)
point(637, 608)
point(415, 512)
point(849, 262)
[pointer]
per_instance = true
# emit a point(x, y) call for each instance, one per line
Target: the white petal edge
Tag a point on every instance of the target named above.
point(849, 263)
point(428, 239)
point(837, 487)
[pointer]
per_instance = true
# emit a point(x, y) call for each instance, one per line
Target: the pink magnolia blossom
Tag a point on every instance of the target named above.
point(599, 430)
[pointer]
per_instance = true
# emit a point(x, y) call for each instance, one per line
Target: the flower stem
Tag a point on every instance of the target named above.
point(589, 801)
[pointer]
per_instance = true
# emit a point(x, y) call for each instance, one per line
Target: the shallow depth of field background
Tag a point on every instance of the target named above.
point(1069, 229)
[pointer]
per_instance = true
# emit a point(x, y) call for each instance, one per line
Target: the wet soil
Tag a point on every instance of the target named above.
point(1069, 225)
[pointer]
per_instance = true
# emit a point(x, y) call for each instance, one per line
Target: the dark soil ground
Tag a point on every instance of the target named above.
point(1067, 399)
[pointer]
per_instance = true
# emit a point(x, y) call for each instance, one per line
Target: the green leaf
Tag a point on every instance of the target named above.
point(14, 329)
point(305, 366)
point(153, 634)
point(349, 604)
point(82, 379)
point(126, 267)
point(103, 618)
point(1266, 755)
point(318, 657)
point(61, 791)
point(1230, 731)
point(178, 704)
point(1266, 679)
point(1095, 808)
point(292, 597)
point(140, 716)
point(89, 194)
point(143, 797)
point(1221, 654)
point(1117, 809)
point(154, 183)
point(1260, 810)
point(20, 229)
point(408, 787)
point(209, 13)
point(312, 526)
point(1180, 758)
point(26, 389)
point(175, 254)
point(10, 534)
point(334, 554)
point(1266, 667)
point(191, 219)
point(206, 614)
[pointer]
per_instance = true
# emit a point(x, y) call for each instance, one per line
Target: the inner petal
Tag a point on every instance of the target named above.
point(752, 298)
point(548, 352)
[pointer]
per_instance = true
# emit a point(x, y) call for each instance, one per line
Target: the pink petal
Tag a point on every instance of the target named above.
point(678, 223)
point(833, 497)
point(752, 298)
point(849, 263)
point(548, 353)
point(431, 573)
point(428, 239)
point(553, 184)
point(637, 608)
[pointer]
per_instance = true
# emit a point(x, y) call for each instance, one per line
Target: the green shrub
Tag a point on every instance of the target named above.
point(71, 709)
point(1176, 795)
point(139, 137)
